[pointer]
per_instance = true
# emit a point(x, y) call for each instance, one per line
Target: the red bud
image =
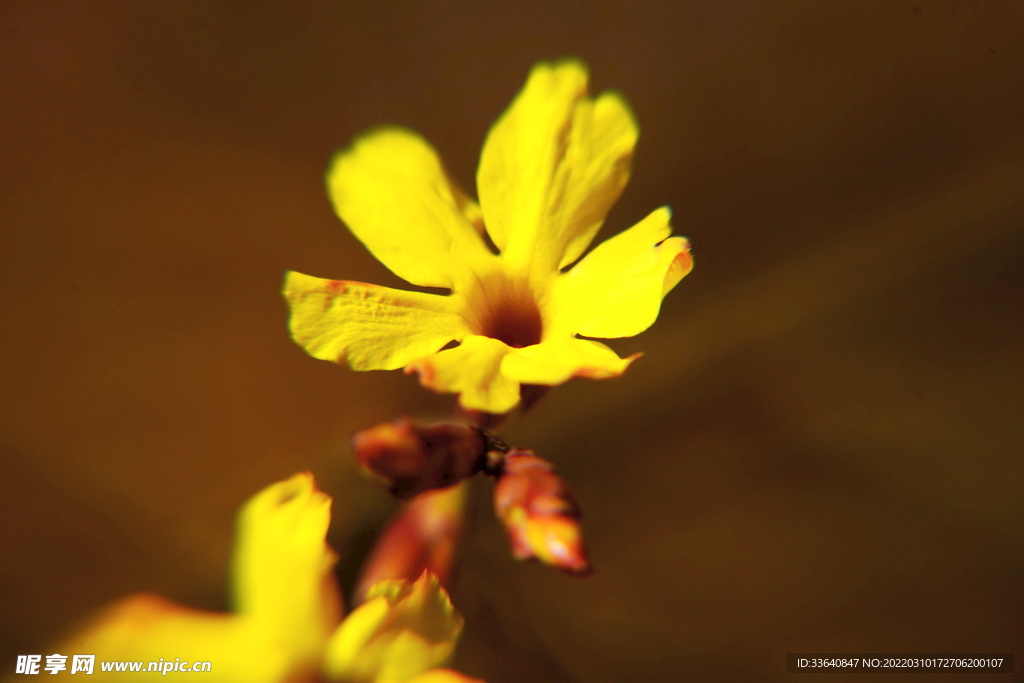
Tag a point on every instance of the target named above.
point(539, 513)
point(410, 458)
point(423, 535)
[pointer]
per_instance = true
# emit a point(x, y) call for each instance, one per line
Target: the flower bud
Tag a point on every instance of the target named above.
point(410, 458)
point(403, 630)
point(539, 513)
point(423, 535)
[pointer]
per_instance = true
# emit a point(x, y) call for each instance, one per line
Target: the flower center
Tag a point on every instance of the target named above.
point(514, 324)
point(507, 310)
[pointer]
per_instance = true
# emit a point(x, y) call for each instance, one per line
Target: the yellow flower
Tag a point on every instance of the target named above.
point(400, 631)
point(287, 626)
point(551, 168)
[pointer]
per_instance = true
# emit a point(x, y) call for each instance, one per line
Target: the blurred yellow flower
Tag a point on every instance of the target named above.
point(287, 625)
point(400, 631)
point(551, 168)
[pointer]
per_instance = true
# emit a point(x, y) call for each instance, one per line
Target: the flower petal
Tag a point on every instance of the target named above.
point(288, 603)
point(553, 165)
point(616, 290)
point(557, 361)
point(352, 638)
point(366, 326)
point(146, 628)
point(473, 370)
point(283, 568)
point(395, 196)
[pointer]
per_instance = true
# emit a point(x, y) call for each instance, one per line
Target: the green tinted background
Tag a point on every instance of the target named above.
point(819, 451)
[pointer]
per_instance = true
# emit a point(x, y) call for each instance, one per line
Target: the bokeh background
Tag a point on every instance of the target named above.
point(821, 449)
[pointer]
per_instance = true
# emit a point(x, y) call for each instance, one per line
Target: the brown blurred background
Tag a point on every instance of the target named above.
point(819, 451)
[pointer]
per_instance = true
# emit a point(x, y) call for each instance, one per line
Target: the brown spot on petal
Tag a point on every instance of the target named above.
point(681, 265)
